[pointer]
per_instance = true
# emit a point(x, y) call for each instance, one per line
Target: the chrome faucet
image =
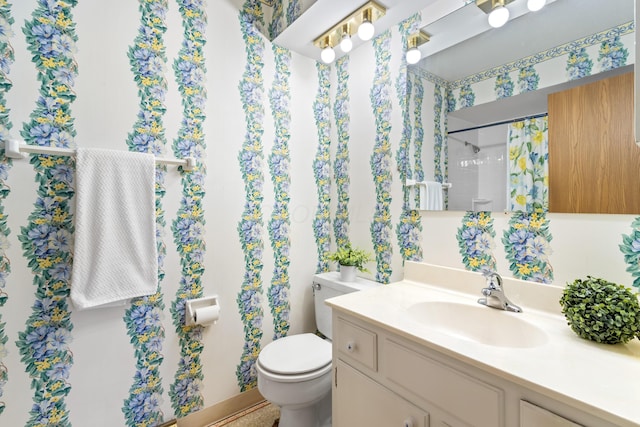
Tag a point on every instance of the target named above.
point(494, 294)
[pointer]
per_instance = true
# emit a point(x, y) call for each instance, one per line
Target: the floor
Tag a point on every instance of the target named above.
point(263, 414)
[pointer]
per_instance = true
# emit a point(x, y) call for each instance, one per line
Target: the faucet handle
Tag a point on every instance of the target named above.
point(494, 280)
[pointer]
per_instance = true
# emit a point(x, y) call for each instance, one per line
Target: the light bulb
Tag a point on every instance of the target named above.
point(413, 55)
point(366, 30)
point(328, 55)
point(346, 44)
point(535, 5)
point(498, 16)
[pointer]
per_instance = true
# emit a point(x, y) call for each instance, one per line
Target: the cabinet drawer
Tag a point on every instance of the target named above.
point(533, 416)
point(356, 344)
point(466, 398)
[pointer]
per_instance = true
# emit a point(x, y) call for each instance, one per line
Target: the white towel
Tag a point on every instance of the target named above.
point(434, 197)
point(115, 255)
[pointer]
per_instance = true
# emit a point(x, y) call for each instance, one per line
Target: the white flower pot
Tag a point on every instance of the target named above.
point(347, 273)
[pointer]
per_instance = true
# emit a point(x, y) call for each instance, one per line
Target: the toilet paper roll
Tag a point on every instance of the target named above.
point(206, 315)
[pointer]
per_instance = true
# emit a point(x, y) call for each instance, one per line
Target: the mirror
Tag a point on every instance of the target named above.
point(484, 76)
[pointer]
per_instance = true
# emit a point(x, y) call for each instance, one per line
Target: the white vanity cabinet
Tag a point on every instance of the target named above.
point(384, 379)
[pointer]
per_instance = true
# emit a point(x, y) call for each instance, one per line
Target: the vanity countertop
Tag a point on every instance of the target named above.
point(600, 379)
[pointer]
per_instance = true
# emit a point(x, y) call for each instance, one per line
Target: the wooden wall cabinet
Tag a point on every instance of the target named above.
point(594, 162)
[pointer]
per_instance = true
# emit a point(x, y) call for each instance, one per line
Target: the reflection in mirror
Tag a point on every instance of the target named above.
point(464, 94)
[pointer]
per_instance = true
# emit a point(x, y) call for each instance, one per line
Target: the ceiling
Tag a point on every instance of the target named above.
point(462, 43)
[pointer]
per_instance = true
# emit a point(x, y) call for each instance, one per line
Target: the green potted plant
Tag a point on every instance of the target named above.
point(601, 311)
point(350, 259)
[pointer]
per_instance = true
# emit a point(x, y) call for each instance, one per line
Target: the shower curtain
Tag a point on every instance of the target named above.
point(528, 145)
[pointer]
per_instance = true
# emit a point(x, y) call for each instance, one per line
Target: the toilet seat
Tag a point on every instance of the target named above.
point(295, 358)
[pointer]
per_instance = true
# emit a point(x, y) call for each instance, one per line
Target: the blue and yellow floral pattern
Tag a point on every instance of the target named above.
point(418, 130)
point(527, 246)
point(476, 241)
point(528, 79)
point(579, 64)
point(46, 239)
point(612, 54)
point(6, 59)
point(409, 227)
point(381, 158)
point(630, 248)
point(250, 226)
point(438, 139)
point(322, 168)
point(188, 226)
point(279, 166)
point(277, 19)
point(143, 318)
point(503, 86)
point(294, 9)
point(341, 163)
point(467, 96)
point(450, 100)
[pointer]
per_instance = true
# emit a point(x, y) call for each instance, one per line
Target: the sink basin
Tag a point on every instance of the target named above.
point(479, 323)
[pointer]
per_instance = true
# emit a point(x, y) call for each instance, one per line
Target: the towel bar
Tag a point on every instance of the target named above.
point(14, 149)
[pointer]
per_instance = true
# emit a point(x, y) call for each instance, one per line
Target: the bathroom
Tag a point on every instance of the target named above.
point(281, 245)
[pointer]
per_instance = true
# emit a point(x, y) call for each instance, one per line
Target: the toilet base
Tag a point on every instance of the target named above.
point(318, 415)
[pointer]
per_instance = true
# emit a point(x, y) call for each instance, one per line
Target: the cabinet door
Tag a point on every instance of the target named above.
point(535, 416)
point(360, 401)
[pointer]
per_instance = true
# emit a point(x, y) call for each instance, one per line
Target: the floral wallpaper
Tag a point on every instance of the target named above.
point(250, 226)
point(409, 227)
point(381, 158)
point(46, 239)
point(189, 224)
point(527, 244)
point(438, 138)
point(6, 59)
point(143, 318)
point(528, 79)
point(504, 86)
point(341, 164)
point(579, 64)
point(279, 167)
point(322, 169)
point(418, 130)
point(612, 53)
point(630, 249)
point(476, 241)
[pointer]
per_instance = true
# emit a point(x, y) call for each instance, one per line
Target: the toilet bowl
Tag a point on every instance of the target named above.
point(294, 372)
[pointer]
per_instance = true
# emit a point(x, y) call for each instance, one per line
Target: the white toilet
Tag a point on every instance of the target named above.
point(295, 372)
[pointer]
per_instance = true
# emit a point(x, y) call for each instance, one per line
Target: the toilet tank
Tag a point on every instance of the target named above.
point(329, 285)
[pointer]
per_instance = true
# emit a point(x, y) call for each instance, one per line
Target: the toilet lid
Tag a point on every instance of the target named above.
point(296, 354)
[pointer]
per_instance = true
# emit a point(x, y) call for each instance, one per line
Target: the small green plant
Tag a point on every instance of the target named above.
point(349, 256)
point(601, 311)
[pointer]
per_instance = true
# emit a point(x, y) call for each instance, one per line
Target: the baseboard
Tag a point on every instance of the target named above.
point(222, 409)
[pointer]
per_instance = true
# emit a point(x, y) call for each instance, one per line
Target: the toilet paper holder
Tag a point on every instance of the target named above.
point(193, 306)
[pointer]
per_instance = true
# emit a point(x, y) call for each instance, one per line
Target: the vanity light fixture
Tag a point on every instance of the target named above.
point(366, 28)
point(535, 5)
point(497, 11)
point(327, 54)
point(360, 20)
point(346, 44)
point(413, 54)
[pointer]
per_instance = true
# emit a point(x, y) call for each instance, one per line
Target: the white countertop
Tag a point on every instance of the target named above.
point(600, 379)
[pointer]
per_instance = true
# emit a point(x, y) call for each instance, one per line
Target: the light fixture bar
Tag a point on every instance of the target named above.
point(374, 10)
point(488, 5)
point(418, 38)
